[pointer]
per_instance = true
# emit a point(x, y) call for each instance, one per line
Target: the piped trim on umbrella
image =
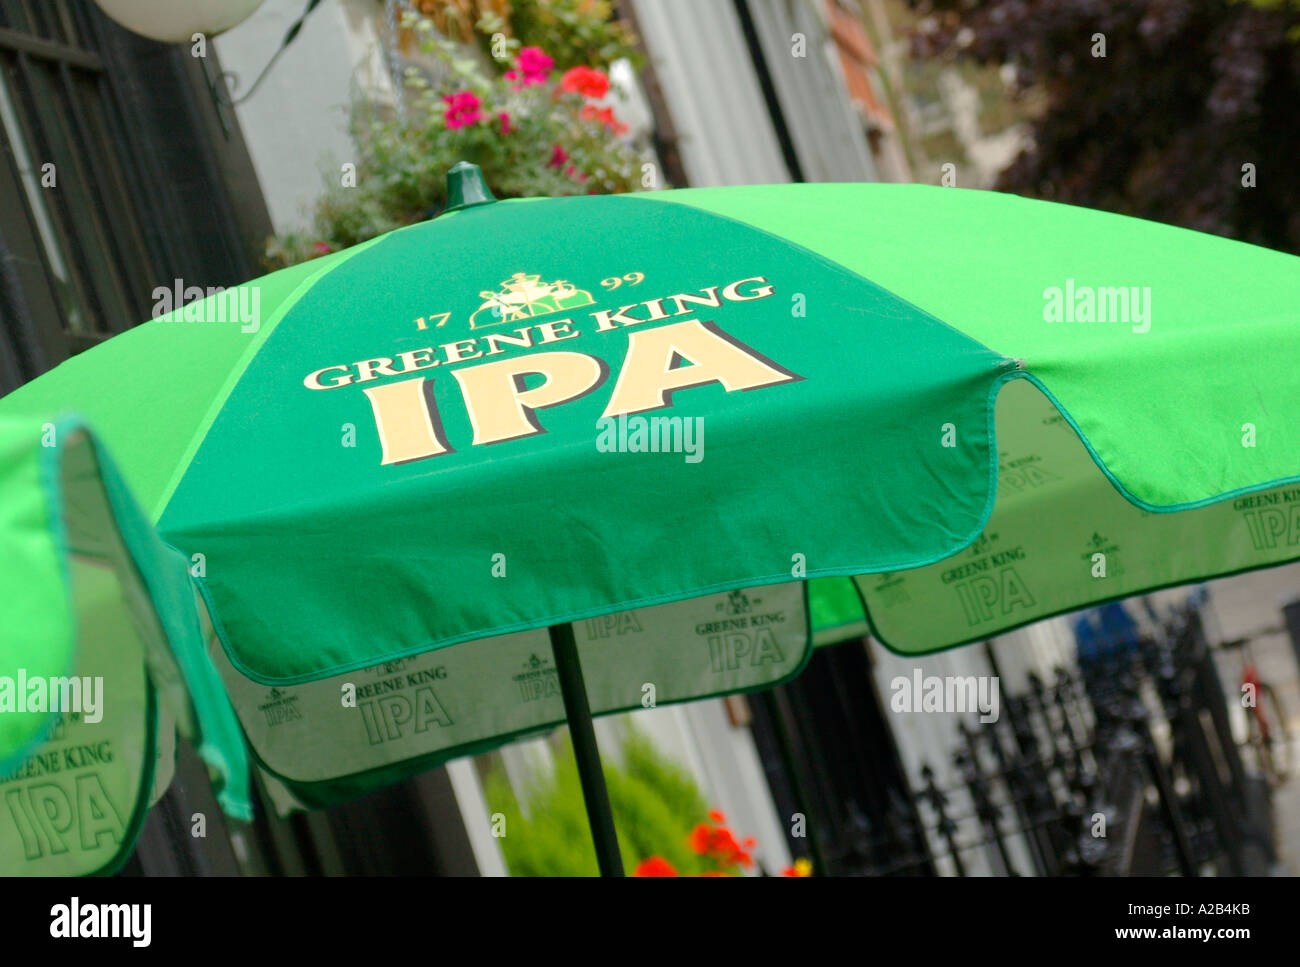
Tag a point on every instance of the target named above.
point(846, 626)
point(830, 637)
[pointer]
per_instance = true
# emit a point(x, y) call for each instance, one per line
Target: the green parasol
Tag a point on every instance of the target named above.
point(645, 422)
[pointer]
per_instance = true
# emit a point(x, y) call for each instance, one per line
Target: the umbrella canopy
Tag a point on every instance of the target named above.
point(540, 413)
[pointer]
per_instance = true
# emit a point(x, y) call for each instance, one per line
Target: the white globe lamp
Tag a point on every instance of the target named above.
point(177, 21)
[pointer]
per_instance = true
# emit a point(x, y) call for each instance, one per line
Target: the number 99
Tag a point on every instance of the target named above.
point(631, 278)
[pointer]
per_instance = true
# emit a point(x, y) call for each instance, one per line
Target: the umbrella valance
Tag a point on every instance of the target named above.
point(411, 714)
point(1061, 537)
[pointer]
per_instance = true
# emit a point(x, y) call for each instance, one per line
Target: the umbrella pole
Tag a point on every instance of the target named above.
point(585, 750)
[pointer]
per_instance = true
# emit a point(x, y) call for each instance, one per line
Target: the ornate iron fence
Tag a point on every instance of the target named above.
point(1128, 767)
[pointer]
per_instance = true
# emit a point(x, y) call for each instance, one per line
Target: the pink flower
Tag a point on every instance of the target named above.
point(534, 64)
point(504, 118)
point(532, 67)
point(323, 247)
point(462, 109)
point(558, 157)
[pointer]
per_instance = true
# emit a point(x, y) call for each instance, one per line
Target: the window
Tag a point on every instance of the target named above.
point(80, 190)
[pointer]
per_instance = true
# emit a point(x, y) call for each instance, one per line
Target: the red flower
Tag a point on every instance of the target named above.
point(323, 247)
point(655, 866)
point(586, 81)
point(724, 839)
point(462, 109)
point(558, 157)
point(702, 839)
point(605, 115)
point(718, 843)
point(505, 122)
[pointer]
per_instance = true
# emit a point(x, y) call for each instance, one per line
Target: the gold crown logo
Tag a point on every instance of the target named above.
point(523, 296)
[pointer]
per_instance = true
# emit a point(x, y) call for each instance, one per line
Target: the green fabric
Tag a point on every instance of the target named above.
point(74, 805)
point(1098, 546)
point(74, 781)
point(155, 585)
point(835, 609)
point(118, 602)
point(40, 627)
point(152, 391)
point(310, 539)
point(1162, 409)
point(872, 334)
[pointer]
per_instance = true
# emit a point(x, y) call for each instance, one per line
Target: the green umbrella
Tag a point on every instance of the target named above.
point(595, 413)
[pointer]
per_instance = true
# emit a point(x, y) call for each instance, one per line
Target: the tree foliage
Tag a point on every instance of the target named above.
point(1163, 126)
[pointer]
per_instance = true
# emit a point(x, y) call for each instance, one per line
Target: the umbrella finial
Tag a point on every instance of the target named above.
point(466, 187)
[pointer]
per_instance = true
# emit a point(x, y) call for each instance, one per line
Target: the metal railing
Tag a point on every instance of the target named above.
point(1127, 768)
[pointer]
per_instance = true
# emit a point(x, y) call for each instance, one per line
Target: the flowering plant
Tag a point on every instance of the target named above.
point(572, 31)
point(721, 852)
point(532, 129)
